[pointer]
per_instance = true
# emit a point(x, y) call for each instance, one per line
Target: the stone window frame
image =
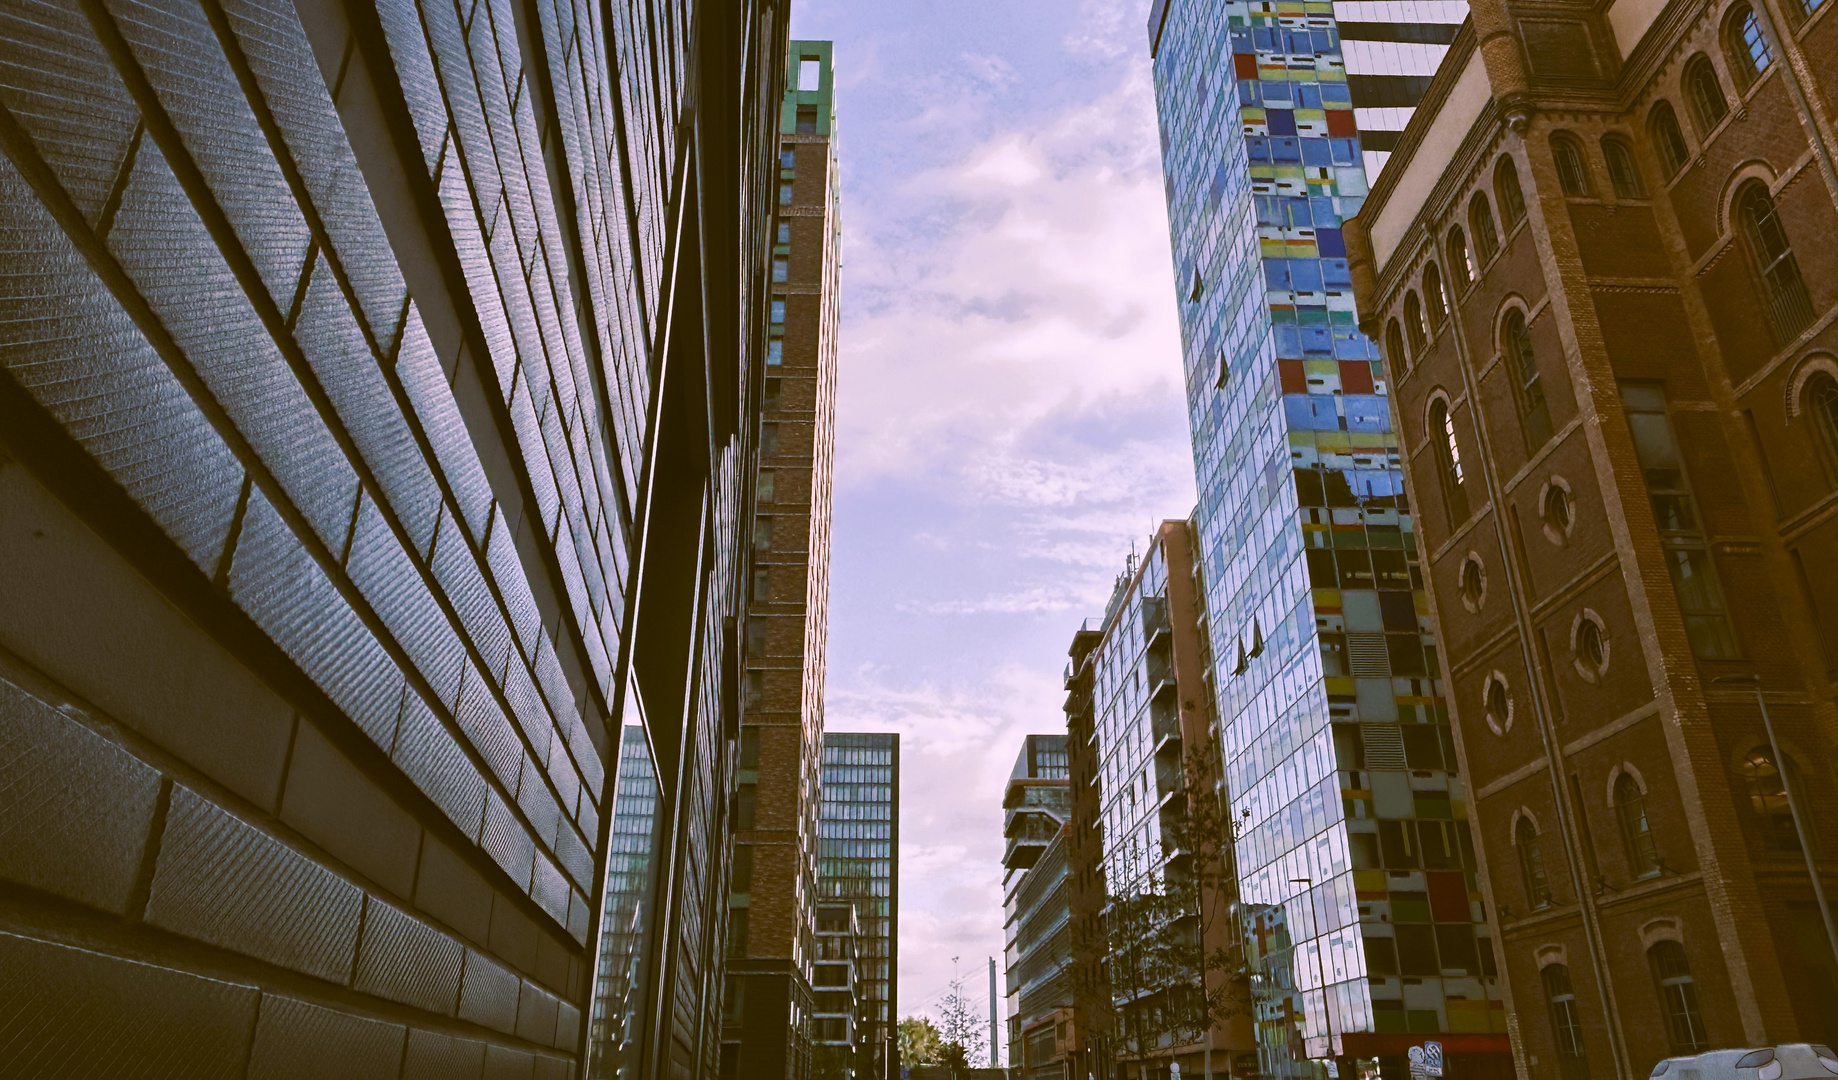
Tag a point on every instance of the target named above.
point(1589, 674)
point(1476, 599)
point(1555, 535)
point(1799, 383)
point(1498, 725)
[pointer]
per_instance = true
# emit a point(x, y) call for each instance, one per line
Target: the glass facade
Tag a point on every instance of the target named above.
point(628, 865)
point(858, 849)
point(1356, 870)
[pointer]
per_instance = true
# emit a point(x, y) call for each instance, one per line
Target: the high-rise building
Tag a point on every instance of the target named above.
point(858, 852)
point(1601, 262)
point(836, 1024)
point(1140, 715)
point(1036, 905)
point(771, 918)
point(1314, 603)
point(378, 400)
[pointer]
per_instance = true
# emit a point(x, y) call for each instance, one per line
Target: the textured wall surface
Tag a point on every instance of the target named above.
point(328, 343)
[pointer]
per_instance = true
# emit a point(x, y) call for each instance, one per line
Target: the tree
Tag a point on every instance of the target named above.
point(920, 1043)
point(1173, 964)
point(961, 1025)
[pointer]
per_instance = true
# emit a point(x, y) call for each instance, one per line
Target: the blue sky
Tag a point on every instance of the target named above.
point(1009, 403)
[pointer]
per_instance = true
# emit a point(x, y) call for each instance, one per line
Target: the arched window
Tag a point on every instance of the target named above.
point(1486, 237)
point(1394, 350)
point(1768, 798)
point(1531, 865)
point(1506, 189)
point(1591, 650)
point(1622, 172)
point(1414, 329)
point(1821, 406)
point(1448, 463)
point(1459, 257)
point(1788, 305)
point(1434, 301)
point(1528, 389)
point(1708, 105)
point(1673, 151)
point(1745, 46)
point(1636, 836)
point(1566, 1025)
point(1678, 998)
point(1567, 155)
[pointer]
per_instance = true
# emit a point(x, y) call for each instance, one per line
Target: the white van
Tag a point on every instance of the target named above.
point(1789, 1061)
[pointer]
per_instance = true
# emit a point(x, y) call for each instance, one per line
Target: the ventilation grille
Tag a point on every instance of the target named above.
point(1384, 746)
point(1368, 657)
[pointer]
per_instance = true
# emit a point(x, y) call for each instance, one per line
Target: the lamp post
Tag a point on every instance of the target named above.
point(1327, 1010)
point(1793, 804)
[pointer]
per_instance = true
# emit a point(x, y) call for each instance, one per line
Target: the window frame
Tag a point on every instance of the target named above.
point(1572, 169)
point(1461, 255)
point(1746, 48)
point(1446, 449)
point(1699, 81)
point(1636, 828)
point(1677, 991)
point(1771, 257)
point(1532, 876)
point(1566, 1023)
point(1509, 192)
point(1484, 233)
point(1416, 330)
point(1436, 301)
point(1527, 380)
point(1623, 168)
point(1667, 134)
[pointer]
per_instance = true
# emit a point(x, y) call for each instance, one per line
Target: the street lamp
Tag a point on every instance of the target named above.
point(1327, 1010)
point(1793, 803)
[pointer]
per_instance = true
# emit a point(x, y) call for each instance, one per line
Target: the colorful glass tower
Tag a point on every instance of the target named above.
point(1358, 893)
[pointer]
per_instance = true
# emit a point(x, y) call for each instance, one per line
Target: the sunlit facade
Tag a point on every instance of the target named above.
point(1334, 736)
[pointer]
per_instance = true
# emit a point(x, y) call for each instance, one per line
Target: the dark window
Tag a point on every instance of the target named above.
point(1694, 575)
point(1788, 305)
point(1531, 865)
point(1459, 256)
point(1590, 647)
point(1455, 943)
point(807, 119)
point(1414, 325)
point(1636, 835)
point(1623, 173)
point(1499, 702)
point(1435, 303)
point(1448, 463)
point(1473, 582)
point(1821, 405)
point(1746, 46)
point(1678, 998)
point(1557, 513)
point(1673, 152)
point(741, 880)
point(1708, 105)
point(1567, 155)
point(1566, 1025)
point(1381, 956)
point(1768, 798)
point(746, 806)
point(737, 932)
point(749, 748)
point(1528, 388)
point(1394, 349)
point(1417, 950)
point(1506, 189)
point(762, 585)
point(1480, 222)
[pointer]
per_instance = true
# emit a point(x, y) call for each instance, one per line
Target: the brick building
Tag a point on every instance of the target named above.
point(772, 918)
point(1601, 260)
point(378, 390)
